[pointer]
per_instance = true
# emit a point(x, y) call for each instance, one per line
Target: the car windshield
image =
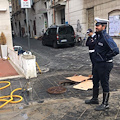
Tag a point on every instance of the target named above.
point(66, 30)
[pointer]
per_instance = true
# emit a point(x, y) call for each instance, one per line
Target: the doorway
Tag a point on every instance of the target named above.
point(91, 18)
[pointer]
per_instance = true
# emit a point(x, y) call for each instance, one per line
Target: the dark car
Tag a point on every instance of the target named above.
point(58, 35)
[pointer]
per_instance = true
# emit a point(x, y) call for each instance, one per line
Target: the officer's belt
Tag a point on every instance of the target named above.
point(91, 51)
point(109, 61)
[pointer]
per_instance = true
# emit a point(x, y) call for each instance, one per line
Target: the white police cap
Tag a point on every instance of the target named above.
point(100, 21)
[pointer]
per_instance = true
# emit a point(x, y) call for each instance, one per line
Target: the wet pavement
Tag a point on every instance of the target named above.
point(69, 105)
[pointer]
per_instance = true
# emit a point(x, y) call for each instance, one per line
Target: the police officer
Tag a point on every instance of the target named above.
point(91, 44)
point(105, 50)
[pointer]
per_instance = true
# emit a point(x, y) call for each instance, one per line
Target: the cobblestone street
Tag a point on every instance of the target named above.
point(56, 65)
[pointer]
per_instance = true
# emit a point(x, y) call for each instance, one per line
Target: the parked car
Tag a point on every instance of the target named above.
point(58, 35)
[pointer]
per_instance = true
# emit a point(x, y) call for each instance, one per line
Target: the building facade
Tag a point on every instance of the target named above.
point(5, 24)
point(37, 18)
point(85, 11)
point(41, 15)
point(78, 13)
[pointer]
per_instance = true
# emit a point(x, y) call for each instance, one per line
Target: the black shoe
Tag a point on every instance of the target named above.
point(92, 101)
point(102, 107)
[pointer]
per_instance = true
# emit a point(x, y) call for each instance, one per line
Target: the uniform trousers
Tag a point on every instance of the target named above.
point(92, 60)
point(101, 73)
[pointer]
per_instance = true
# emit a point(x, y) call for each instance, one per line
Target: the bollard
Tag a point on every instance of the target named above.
point(29, 90)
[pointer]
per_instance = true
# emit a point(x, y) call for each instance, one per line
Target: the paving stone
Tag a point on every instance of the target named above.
point(66, 117)
point(69, 105)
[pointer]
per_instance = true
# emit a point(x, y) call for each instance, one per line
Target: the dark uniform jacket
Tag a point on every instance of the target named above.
point(89, 42)
point(105, 48)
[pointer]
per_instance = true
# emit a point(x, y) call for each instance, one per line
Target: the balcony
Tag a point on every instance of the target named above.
point(58, 4)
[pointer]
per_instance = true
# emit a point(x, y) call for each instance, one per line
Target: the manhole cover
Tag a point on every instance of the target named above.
point(56, 90)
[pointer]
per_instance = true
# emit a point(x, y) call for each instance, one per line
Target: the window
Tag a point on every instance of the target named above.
point(114, 25)
point(47, 31)
point(53, 31)
point(66, 30)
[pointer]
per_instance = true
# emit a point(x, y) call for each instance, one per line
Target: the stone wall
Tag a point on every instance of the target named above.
point(78, 9)
point(74, 12)
point(103, 10)
point(5, 24)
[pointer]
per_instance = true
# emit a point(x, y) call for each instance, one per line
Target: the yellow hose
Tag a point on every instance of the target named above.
point(6, 85)
point(9, 96)
point(38, 68)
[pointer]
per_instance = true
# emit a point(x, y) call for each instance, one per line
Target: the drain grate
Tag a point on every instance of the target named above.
point(56, 90)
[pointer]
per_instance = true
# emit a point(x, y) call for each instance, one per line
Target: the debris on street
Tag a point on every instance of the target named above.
point(84, 85)
point(84, 82)
point(78, 78)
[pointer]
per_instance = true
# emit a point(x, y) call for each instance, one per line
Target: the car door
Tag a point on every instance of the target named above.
point(52, 35)
point(70, 34)
point(46, 37)
point(62, 34)
point(66, 34)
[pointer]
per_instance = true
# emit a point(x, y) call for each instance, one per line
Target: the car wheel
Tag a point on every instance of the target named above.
point(43, 42)
point(55, 44)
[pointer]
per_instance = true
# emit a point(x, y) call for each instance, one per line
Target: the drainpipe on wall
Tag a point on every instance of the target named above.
point(53, 12)
point(68, 13)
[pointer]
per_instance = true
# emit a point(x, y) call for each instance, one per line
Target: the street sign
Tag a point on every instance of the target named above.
point(25, 3)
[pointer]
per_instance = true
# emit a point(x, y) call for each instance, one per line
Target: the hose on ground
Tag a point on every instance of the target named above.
point(11, 96)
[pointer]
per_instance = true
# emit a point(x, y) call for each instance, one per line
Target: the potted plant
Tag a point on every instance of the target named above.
point(3, 46)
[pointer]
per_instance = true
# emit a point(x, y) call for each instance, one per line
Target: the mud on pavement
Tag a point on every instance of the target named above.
point(67, 106)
